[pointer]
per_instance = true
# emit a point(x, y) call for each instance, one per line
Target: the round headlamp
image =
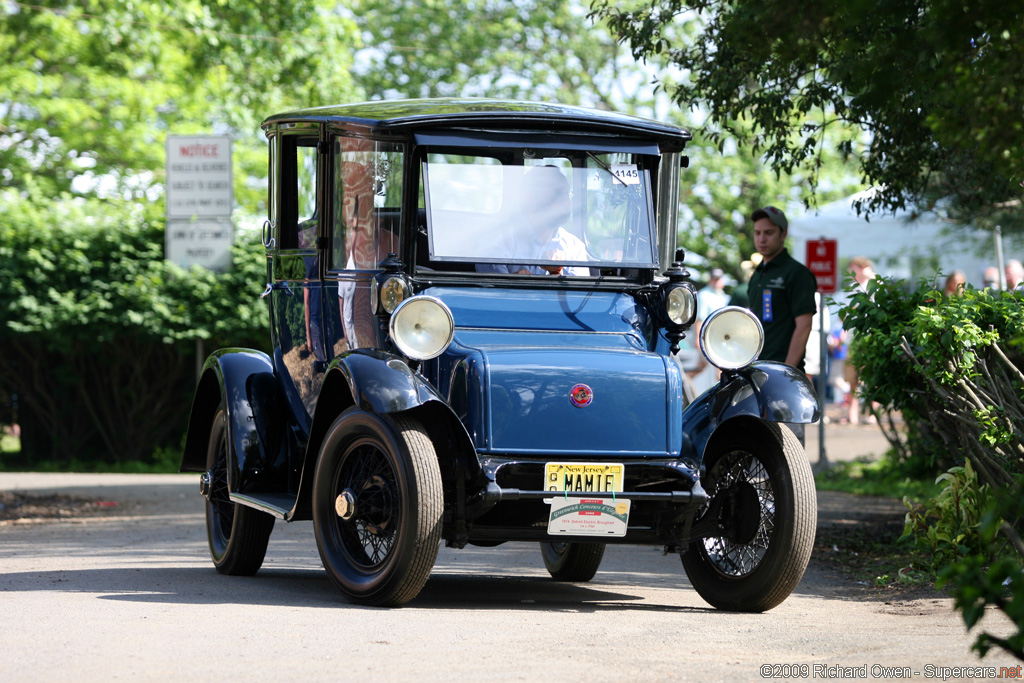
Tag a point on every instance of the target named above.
point(393, 291)
point(422, 327)
point(680, 305)
point(731, 337)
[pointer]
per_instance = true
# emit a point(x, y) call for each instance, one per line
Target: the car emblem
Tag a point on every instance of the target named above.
point(581, 395)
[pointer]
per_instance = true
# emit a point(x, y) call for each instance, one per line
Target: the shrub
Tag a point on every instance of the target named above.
point(98, 332)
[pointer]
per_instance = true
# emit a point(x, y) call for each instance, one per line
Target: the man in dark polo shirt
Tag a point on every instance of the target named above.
point(781, 291)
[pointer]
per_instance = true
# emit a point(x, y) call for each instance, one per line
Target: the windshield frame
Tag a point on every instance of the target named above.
point(579, 157)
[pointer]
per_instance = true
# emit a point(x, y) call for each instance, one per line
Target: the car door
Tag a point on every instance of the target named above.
point(296, 289)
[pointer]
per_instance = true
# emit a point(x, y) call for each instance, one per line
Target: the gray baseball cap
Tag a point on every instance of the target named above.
point(774, 215)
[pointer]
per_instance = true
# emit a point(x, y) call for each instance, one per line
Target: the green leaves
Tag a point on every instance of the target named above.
point(89, 272)
point(934, 84)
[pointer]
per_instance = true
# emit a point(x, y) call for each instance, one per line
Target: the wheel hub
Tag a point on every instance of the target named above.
point(345, 505)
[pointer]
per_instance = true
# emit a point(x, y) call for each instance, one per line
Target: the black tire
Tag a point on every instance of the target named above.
point(377, 506)
point(238, 535)
point(577, 562)
point(764, 503)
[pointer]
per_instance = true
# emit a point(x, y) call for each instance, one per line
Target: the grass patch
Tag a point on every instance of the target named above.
point(870, 553)
point(881, 477)
point(163, 461)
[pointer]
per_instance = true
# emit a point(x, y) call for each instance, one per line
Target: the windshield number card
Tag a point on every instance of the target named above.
point(627, 173)
point(588, 517)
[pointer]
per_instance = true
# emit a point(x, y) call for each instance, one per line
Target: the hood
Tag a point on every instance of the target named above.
point(553, 373)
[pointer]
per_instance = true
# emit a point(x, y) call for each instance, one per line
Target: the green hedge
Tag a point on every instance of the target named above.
point(98, 332)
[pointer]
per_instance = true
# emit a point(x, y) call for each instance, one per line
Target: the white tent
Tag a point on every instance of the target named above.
point(905, 244)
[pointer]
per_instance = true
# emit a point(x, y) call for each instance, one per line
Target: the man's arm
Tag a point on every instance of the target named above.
point(798, 342)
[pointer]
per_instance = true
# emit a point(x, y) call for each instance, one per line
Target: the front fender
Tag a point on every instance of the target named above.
point(243, 382)
point(379, 383)
point(771, 391)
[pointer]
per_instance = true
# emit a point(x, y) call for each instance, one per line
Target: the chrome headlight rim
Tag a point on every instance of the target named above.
point(710, 331)
point(398, 316)
point(687, 302)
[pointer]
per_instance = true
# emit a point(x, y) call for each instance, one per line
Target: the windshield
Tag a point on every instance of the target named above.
point(533, 212)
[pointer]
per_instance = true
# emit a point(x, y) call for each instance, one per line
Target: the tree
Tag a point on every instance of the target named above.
point(89, 88)
point(527, 49)
point(936, 85)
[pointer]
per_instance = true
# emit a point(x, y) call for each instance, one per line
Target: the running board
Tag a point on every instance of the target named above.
point(277, 504)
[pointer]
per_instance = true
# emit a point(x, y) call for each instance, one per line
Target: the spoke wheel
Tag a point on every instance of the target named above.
point(763, 512)
point(575, 562)
point(238, 535)
point(377, 505)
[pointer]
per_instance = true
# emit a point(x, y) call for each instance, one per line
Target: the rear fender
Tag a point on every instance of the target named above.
point(770, 391)
point(383, 384)
point(243, 381)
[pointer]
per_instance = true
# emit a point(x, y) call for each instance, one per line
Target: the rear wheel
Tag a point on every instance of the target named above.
point(238, 535)
point(377, 506)
point(758, 524)
point(572, 561)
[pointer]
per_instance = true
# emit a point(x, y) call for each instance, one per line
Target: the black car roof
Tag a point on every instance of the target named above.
point(407, 116)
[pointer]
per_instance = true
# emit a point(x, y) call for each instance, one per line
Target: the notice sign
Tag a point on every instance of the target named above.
point(199, 198)
point(821, 260)
point(199, 177)
point(204, 243)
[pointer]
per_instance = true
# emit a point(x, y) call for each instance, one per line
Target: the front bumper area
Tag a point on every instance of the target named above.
point(666, 495)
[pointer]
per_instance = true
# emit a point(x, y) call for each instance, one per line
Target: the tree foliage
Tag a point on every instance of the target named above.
point(98, 330)
point(89, 88)
point(529, 49)
point(935, 84)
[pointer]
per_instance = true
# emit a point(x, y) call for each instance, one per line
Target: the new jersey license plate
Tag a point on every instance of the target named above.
point(583, 477)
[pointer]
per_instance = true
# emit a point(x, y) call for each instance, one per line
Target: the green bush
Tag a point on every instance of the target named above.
point(952, 368)
point(98, 332)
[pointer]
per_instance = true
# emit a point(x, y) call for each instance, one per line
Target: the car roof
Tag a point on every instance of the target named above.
point(408, 116)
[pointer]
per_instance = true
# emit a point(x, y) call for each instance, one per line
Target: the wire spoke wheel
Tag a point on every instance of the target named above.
point(743, 479)
point(377, 505)
point(238, 535)
point(757, 527)
point(369, 536)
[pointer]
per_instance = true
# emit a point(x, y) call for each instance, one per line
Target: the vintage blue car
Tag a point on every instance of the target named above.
point(475, 306)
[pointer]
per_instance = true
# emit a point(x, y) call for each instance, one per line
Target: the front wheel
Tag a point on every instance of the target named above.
point(576, 562)
point(377, 506)
point(238, 535)
point(757, 527)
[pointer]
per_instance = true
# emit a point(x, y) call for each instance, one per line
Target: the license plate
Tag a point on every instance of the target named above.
point(583, 477)
point(588, 517)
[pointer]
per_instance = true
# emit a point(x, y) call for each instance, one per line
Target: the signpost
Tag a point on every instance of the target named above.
point(821, 260)
point(199, 198)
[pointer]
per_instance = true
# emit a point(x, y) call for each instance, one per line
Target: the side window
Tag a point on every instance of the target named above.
point(367, 202)
point(298, 178)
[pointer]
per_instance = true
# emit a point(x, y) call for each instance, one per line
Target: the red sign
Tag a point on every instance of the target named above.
point(821, 259)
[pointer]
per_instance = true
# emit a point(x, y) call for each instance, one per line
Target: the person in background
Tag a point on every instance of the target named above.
point(863, 272)
point(955, 283)
point(781, 294)
point(781, 291)
point(739, 292)
point(817, 371)
point(991, 278)
point(1014, 274)
point(712, 296)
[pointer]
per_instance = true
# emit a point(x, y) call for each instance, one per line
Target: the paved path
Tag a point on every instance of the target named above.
point(132, 596)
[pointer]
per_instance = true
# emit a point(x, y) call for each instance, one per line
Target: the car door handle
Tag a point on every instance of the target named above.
point(277, 285)
point(268, 241)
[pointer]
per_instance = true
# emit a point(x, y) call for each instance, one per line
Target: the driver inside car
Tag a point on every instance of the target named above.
point(546, 206)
